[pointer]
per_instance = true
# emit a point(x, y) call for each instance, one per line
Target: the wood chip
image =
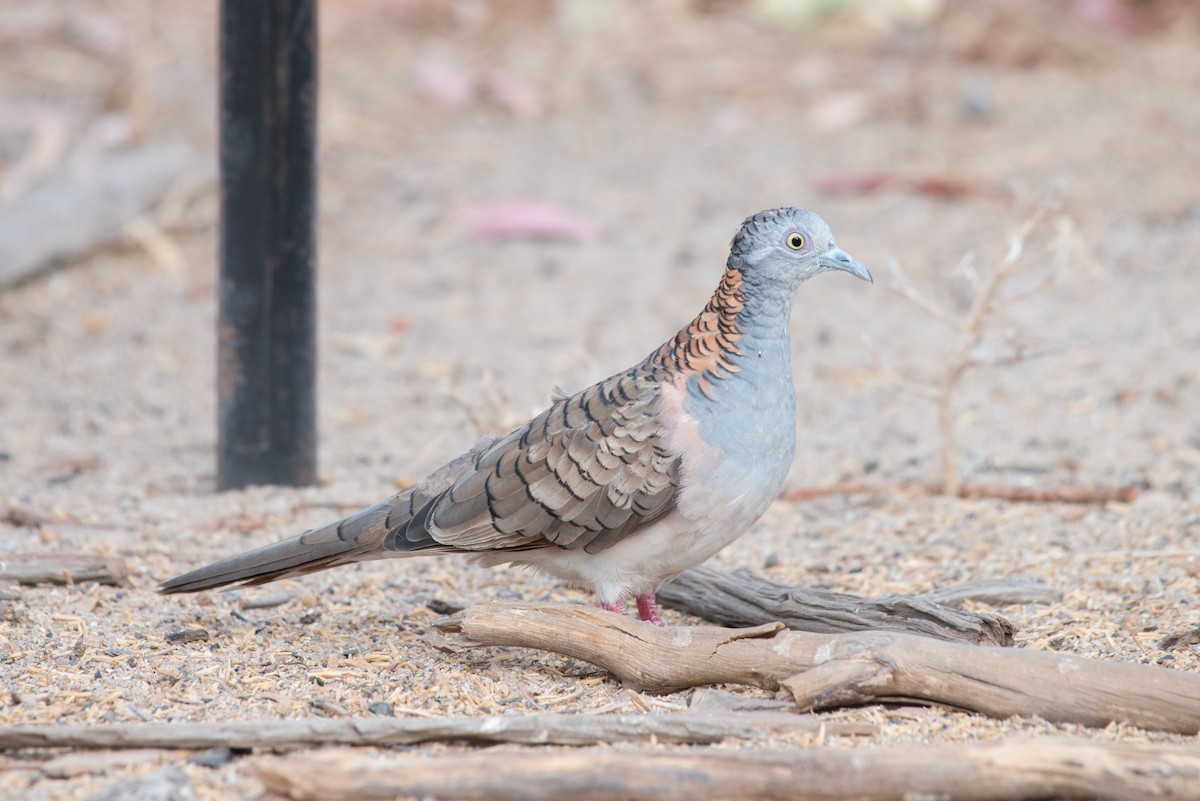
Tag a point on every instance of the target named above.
point(63, 569)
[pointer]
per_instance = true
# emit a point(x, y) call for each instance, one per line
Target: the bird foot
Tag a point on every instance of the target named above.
point(648, 609)
point(616, 607)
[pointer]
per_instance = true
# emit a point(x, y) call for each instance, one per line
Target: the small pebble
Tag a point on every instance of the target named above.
point(212, 758)
point(438, 606)
point(267, 601)
point(10, 612)
point(382, 708)
point(187, 635)
point(978, 101)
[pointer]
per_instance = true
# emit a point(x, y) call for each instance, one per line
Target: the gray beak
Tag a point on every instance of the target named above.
point(838, 259)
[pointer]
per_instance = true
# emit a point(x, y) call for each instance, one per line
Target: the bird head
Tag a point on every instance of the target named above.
point(789, 245)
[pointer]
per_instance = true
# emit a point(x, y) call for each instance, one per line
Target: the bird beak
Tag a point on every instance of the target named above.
point(838, 259)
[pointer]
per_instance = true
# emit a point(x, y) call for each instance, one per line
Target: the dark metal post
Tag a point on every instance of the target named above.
point(266, 367)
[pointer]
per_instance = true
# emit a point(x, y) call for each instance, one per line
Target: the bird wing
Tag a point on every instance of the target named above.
point(585, 473)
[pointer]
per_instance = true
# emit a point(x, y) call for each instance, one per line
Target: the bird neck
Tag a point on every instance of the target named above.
point(707, 346)
point(742, 317)
point(734, 363)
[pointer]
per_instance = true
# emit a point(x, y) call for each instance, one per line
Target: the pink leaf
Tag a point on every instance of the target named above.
point(445, 82)
point(852, 183)
point(527, 219)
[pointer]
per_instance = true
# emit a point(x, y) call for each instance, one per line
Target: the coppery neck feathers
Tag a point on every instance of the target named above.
point(705, 347)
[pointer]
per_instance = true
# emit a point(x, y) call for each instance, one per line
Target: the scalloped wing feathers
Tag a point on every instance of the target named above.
point(582, 474)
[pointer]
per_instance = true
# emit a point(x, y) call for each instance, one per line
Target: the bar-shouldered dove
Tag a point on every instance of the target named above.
point(627, 483)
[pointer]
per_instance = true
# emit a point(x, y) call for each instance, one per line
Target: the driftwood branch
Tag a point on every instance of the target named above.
point(554, 729)
point(742, 598)
point(996, 592)
point(824, 670)
point(63, 568)
point(1003, 771)
point(79, 209)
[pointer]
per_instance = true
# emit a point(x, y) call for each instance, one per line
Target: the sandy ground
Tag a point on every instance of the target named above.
point(665, 142)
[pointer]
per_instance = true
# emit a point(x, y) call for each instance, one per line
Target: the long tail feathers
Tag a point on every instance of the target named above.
point(354, 539)
point(357, 538)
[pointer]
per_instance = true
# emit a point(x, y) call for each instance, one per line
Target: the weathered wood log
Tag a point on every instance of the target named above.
point(1026, 768)
point(77, 210)
point(830, 670)
point(997, 592)
point(743, 598)
point(556, 729)
point(63, 568)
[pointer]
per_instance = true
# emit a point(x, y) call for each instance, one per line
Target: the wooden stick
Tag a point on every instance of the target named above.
point(997, 592)
point(823, 671)
point(21, 516)
point(556, 729)
point(1026, 768)
point(1124, 493)
point(63, 568)
point(75, 211)
point(743, 598)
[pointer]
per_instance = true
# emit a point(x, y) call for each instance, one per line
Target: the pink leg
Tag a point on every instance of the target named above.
point(617, 607)
point(648, 609)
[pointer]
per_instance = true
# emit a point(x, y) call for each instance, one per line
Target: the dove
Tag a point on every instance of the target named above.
point(623, 485)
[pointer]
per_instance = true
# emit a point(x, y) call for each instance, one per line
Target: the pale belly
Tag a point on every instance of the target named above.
point(700, 526)
point(727, 484)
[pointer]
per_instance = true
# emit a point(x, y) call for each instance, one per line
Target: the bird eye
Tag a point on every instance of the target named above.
point(794, 240)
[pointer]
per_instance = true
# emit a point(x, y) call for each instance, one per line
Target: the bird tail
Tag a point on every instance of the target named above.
point(396, 527)
point(353, 539)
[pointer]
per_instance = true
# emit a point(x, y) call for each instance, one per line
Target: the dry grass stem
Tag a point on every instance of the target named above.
point(973, 327)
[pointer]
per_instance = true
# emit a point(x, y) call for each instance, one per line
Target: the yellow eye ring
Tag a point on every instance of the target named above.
point(794, 240)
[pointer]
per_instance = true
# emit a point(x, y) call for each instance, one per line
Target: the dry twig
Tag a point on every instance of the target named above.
point(537, 729)
point(972, 329)
point(1027, 768)
point(996, 592)
point(742, 598)
point(63, 568)
point(822, 671)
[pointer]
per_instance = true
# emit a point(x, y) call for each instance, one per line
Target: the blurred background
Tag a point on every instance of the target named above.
point(521, 195)
point(526, 194)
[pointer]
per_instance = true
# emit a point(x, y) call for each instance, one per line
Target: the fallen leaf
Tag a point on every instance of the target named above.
point(94, 323)
point(514, 94)
point(840, 112)
point(445, 82)
point(943, 186)
point(1113, 16)
point(861, 183)
point(938, 186)
point(527, 219)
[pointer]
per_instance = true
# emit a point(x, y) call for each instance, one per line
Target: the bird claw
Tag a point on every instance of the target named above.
point(616, 607)
point(648, 609)
point(647, 606)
